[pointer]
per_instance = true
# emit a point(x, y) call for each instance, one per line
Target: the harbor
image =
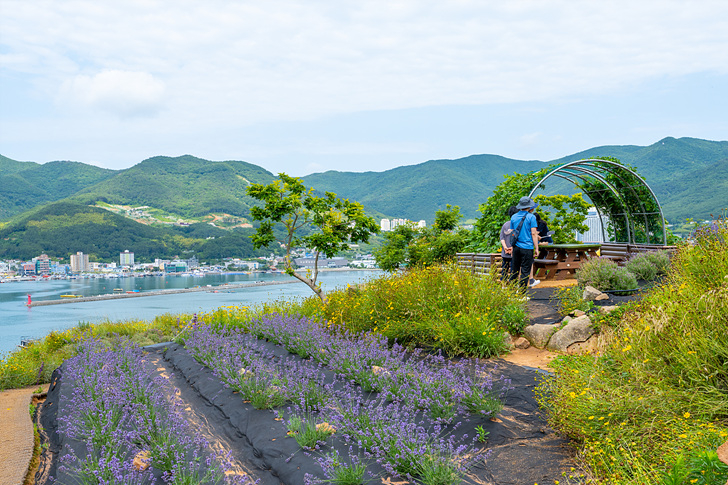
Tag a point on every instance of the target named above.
point(120, 299)
point(138, 294)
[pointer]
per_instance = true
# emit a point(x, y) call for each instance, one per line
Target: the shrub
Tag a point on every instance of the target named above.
point(438, 306)
point(569, 299)
point(604, 274)
point(656, 396)
point(648, 266)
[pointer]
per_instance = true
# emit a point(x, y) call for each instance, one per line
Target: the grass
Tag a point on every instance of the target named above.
point(658, 393)
point(438, 307)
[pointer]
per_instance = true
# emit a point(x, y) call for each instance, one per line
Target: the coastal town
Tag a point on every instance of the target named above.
point(79, 266)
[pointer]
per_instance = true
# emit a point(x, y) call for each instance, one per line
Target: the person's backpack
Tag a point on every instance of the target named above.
point(514, 235)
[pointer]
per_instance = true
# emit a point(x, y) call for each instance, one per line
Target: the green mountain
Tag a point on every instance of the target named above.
point(62, 228)
point(688, 177)
point(49, 208)
point(187, 186)
point(25, 185)
point(415, 192)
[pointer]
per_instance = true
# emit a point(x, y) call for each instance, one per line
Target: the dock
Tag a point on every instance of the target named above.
point(172, 291)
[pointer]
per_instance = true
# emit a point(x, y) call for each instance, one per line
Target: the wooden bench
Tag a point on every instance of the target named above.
point(541, 267)
point(617, 252)
point(620, 253)
point(478, 263)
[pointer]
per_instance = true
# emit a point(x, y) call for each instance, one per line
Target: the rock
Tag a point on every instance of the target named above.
point(607, 308)
point(325, 428)
point(602, 297)
point(578, 313)
point(723, 452)
point(141, 461)
point(579, 348)
point(566, 320)
point(590, 293)
point(508, 340)
point(521, 343)
point(539, 334)
point(379, 371)
point(577, 330)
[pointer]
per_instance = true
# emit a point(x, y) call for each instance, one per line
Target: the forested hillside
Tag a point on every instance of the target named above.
point(188, 186)
point(62, 228)
point(25, 185)
point(688, 175)
point(415, 192)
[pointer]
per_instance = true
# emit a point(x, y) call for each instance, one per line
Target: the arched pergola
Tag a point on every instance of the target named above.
point(632, 211)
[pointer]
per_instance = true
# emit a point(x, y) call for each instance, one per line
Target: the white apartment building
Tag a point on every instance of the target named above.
point(79, 262)
point(126, 258)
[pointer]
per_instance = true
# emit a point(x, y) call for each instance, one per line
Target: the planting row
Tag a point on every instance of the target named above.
point(123, 425)
point(409, 426)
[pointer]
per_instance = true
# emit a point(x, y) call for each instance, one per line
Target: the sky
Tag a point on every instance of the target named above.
point(310, 86)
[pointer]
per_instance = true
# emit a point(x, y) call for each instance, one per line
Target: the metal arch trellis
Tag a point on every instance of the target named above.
point(622, 191)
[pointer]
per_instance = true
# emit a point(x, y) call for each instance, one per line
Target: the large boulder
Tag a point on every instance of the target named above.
point(590, 293)
point(577, 330)
point(539, 334)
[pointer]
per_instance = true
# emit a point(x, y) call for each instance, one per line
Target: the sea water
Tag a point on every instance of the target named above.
point(20, 322)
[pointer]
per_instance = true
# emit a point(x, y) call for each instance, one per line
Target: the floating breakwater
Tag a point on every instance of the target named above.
point(171, 291)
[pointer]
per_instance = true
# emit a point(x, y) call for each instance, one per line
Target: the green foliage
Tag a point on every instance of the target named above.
point(566, 216)
point(288, 202)
point(605, 275)
point(651, 407)
point(35, 363)
point(407, 246)
point(569, 298)
point(494, 212)
point(62, 228)
point(437, 306)
point(642, 268)
point(394, 253)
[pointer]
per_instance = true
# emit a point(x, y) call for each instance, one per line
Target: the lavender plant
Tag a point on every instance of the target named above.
point(118, 410)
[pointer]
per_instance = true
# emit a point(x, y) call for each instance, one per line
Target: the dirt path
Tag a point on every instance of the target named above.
point(16, 439)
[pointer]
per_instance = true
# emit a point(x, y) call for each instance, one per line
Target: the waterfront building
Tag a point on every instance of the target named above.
point(42, 265)
point(385, 225)
point(309, 263)
point(126, 258)
point(79, 262)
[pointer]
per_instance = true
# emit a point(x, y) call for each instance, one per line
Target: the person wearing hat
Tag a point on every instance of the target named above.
point(526, 245)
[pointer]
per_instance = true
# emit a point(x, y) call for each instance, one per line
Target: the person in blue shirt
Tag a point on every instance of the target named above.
point(526, 247)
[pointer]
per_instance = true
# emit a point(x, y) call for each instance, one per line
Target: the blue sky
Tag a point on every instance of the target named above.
point(309, 86)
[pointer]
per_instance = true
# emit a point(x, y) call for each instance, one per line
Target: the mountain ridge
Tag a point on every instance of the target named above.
point(187, 187)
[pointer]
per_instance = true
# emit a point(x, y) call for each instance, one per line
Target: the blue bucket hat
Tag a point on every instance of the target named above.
point(526, 203)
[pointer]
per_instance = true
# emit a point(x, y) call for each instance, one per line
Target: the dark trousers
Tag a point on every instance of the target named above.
point(522, 262)
point(506, 267)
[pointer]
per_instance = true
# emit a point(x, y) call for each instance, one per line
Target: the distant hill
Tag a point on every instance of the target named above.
point(688, 175)
point(25, 185)
point(415, 192)
point(188, 186)
point(62, 228)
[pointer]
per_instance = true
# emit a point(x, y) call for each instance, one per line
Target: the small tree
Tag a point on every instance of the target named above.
point(409, 246)
point(494, 212)
point(566, 217)
point(335, 223)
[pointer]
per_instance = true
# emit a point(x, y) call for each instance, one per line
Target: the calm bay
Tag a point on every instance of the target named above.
point(18, 322)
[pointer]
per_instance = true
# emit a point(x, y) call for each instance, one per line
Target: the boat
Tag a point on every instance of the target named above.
point(133, 291)
point(71, 296)
point(118, 290)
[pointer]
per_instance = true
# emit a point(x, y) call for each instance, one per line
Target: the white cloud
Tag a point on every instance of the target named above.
point(221, 66)
point(123, 93)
